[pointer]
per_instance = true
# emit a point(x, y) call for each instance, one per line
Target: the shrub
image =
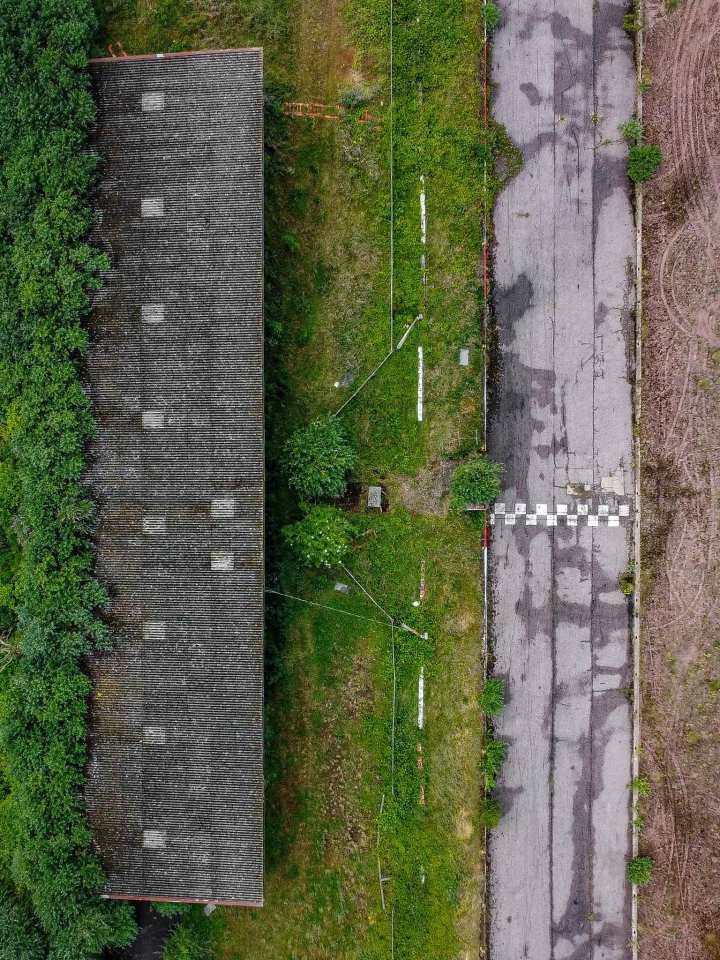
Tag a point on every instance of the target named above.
point(490, 14)
point(643, 162)
point(626, 580)
point(322, 538)
point(490, 813)
point(192, 939)
point(355, 97)
point(632, 130)
point(640, 870)
point(642, 785)
point(20, 938)
point(171, 909)
point(492, 760)
point(492, 696)
point(474, 483)
point(632, 22)
point(319, 457)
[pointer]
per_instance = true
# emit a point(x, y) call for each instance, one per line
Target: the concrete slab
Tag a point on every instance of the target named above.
point(561, 424)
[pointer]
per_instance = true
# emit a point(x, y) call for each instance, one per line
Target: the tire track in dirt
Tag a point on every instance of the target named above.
point(679, 912)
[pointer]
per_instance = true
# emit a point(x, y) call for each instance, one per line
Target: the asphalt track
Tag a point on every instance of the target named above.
point(561, 422)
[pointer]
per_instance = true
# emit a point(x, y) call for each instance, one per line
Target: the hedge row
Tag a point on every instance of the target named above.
point(47, 275)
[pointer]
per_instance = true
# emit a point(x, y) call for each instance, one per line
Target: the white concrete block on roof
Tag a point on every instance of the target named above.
point(154, 839)
point(153, 419)
point(152, 312)
point(152, 207)
point(222, 508)
point(222, 561)
point(152, 101)
point(154, 526)
point(154, 630)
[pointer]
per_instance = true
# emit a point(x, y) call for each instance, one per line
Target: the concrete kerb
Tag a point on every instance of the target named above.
point(639, 38)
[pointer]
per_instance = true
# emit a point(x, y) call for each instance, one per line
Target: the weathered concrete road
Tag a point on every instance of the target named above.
point(562, 426)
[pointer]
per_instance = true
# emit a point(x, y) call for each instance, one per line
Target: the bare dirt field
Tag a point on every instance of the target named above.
point(680, 910)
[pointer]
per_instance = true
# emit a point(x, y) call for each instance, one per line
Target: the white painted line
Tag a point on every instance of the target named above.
point(613, 520)
point(552, 519)
point(592, 520)
point(420, 385)
point(531, 519)
point(624, 509)
point(423, 218)
point(403, 338)
point(603, 510)
point(520, 509)
point(421, 699)
point(542, 510)
point(509, 519)
point(572, 520)
point(561, 509)
point(499, 509)
point(582, 509)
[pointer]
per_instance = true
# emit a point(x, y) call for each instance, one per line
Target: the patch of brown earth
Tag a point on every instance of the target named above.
point(680, 910)
point(427, 493)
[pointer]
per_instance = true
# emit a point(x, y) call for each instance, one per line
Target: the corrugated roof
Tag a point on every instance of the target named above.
point(175, 370)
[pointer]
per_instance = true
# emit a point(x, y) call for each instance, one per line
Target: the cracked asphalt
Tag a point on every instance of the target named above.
point(561, 422)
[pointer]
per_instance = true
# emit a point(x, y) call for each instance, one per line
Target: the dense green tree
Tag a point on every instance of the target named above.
point(475, 482)
point(48, 273)
point(322, 537)
point(20, 938)
point(319, 458)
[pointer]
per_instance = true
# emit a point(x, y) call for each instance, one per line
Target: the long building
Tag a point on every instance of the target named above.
point(175, 372)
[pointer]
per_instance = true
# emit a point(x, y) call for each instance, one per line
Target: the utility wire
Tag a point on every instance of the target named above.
point(323, 606)
point(367, 594)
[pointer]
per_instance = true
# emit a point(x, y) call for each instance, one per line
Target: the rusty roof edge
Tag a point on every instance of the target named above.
point(150, 899)
point(175, 54)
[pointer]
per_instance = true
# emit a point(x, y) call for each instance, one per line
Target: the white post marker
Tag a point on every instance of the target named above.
point(420, 393)
point(423, 218)
point(421, 699)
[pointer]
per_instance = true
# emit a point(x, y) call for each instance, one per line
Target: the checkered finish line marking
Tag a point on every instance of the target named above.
point(541, 515)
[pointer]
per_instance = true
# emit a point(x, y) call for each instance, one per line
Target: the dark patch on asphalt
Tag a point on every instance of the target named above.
point(563, 29)
point(572, 554)
point(510, 305)
point(528, 28)
point(609, 175)
point(532, 93)
point(574, 921)
point(531, 148)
